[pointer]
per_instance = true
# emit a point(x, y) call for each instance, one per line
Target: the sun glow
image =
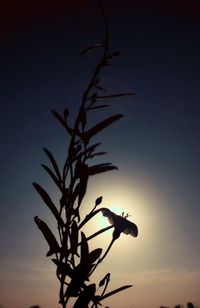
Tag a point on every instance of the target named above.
point(119, 199)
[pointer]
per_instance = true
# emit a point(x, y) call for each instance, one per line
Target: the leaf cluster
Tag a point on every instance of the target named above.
point(70, 251)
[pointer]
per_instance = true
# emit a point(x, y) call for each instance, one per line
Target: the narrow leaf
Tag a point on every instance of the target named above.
point(100, 126)
point(50, 238)
point(80, 189)
point(101, 168)
point(105, 63)
point(98, 107)
point(66, 113)
point(62, 121)
point(74, 286)
point(80, 275)
point(84, 249)
point(85, 297)
point(91, 48)
point(53, 161)
point(97, 154)
point(75, 193)
point(47, 200)
point(53, 176)
point(83, 188)
point(81, 172)
point(113, 54)
point(74, 237)
point(113, 95)
point(116, 291)
point(100, 88)
point(59, 118)
point(94, 255)
point(89, 150)
point(105, 279)
point(63, 268)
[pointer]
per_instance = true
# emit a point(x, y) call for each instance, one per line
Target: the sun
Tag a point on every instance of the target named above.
point(119, 200)
point(136, 201)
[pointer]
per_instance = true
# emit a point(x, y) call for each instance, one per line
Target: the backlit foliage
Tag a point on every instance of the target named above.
point(69, 250)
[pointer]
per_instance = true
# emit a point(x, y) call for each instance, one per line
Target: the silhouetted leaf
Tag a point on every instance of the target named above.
point(97, 107)
point(53, 176)
point(100, 88)
point(82, 118)
point(73, 152)
point(53, 161)
point(105, 63)
point(84, 248)
point(64, 251)
point(47, 200)
point(85, 297)
point(83, 269)
point(81, 169)
point(113, 95)
point(116, 291)
point(92, 48)
point(94, 255)
point(62, 121)
point(101, 168)
point(97, 154)
point(83, 188)
point(59, 118)
point(100, 126)
point(89, 150)
point(80, 275)
point(63, 268)
point(66, 113)
point(97, 85)
point(64, 198)
point(104, 280)
point(113, 54)
point(82, 173)
point(75, 194)
point(74, 237)
point(74, 286)
point(50, 238)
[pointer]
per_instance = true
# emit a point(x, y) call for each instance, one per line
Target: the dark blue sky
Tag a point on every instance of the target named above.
point(157, 144)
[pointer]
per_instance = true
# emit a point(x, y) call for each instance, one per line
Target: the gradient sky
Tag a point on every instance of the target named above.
point(156, 145)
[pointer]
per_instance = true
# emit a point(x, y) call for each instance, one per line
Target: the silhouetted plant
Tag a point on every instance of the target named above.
point(74, 261)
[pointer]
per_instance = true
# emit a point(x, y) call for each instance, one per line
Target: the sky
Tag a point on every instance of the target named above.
point(156, 145)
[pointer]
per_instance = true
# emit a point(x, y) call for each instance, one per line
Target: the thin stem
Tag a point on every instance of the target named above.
point(101, 259)
point(105, 21)
point(112, 95)
point(106, 285)
point(99, 232)
point(89, 216)
point(105, 254)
